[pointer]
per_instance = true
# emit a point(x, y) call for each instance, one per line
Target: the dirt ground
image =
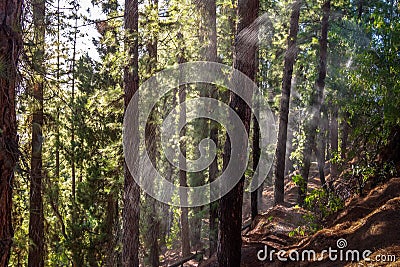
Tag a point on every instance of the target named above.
point(365, 223)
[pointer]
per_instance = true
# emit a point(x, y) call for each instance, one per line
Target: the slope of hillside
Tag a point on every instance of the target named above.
point(367, 225)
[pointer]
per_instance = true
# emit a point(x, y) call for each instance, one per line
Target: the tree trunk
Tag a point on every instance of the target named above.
point(36, 224)
point(334, 140)
point(256, 158)
point(73, 118)
point(131, 198)
point(321, 147)
point(10, 46)
point(185, 233)
point(209, 15)
point(290, 57)
point(167, 218)
point(151, 144)
point(230, 210)
point(360, 9)
point(317, 99)
point(289, 148)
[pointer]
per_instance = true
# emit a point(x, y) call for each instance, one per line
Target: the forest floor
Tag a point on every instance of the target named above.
point(365, 223)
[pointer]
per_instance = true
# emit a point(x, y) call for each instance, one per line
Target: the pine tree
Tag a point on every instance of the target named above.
point(317, 99)
point(130, 239)
point(36, 221)
point(230, 209)
point(10, 46)
point(290, 57)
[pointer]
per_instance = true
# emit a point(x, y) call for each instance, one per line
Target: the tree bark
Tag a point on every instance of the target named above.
point(316, 102)
point(290, 57)
point(131, 198)
point(230, 210)
point(10, 46)
point(36, 223)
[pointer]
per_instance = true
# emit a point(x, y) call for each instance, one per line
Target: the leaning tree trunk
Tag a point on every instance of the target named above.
point(131, 198)
point(290, 58)
point(317, 99)
point(230, 210)
point(10, 46)
point(36, 223)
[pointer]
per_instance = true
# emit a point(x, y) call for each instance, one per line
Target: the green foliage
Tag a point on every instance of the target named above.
point(322, 204)
point(299, 180)
point(363, 71)
point(336, 158)
point(372, 171)
point(310, 226)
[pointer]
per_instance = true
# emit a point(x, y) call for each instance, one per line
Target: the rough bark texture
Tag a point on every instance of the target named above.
point(131, 198)
point(10, 45)
point(230, 210)
point(317, 99)
point(290, 57)
point(36, 224)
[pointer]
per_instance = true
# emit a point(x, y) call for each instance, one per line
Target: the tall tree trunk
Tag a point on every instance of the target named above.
point(230, 210)
point(208, 52)
point(131, 198)
point(290, 57)
point(77, 256)
point(167, 218)
point(185, 233)
point(317, 99)
point(73, 174)
point(10, 46)
point(209, 14)
point(36, 223)
point(151, 144)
